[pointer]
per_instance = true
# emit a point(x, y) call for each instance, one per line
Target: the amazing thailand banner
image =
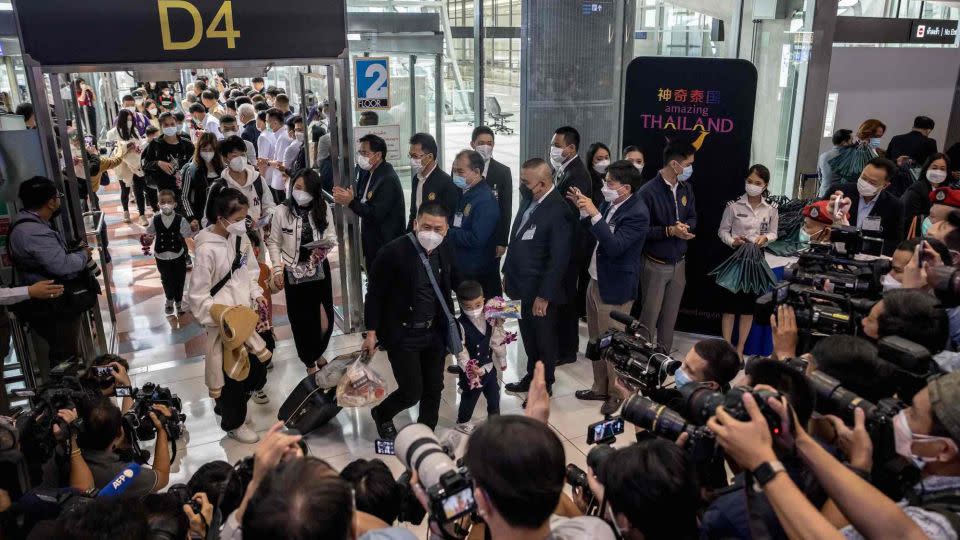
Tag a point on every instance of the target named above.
point(709, 103)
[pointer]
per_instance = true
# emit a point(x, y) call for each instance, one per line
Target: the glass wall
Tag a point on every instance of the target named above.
point(676, 29)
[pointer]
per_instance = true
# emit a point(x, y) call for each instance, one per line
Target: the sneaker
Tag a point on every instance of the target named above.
point(143, 221)
point(168, 307)
point(126, 217)
point(519, 387)
point(260, 397)
point(466, 428)
point(243, 434)
point(181, 309)
point(385, 428)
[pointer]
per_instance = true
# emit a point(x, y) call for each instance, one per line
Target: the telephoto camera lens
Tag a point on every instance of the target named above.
point(449, 488)
point(654, 417)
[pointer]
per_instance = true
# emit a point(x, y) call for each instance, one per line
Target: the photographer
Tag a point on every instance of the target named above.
point(119, 377)
point(854, 361)
point(375, 490)
point(912, 315)
point(817, 222)
point(104, 431)
point(39, 252)
point(711, 362)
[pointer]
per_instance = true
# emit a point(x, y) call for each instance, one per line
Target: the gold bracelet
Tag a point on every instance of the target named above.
point(75, 452)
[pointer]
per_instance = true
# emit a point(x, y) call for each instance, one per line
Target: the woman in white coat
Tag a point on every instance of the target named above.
point(130, 171)
point(301, 236)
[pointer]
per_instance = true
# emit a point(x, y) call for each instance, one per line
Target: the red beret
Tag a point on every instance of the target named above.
point(818, 212)
point(946, 196)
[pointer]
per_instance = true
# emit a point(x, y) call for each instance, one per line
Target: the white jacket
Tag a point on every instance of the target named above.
point(214, 260)
point(131, 166)
point(259, 207)
point(283, 244)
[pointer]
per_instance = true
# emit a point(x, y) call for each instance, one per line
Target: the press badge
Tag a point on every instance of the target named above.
point(528, 235)
point(872, 224)
point(458, 220)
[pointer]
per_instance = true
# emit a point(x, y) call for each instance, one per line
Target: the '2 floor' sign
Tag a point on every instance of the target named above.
point(373, 83)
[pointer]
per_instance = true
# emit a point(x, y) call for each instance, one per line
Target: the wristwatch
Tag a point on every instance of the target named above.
point(767, 471)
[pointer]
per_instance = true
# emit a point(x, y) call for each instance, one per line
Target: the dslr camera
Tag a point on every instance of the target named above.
point(635, 359)
point(449, 488)
point(577, 477)
point(138, 426)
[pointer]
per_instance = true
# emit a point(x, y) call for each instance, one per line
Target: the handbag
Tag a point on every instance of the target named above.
point(454, 343)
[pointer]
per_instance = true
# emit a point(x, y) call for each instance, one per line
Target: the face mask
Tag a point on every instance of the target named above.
point(875, 142)
point(925, 226)
point(302, 197)
point(865, 188)
point(556, 156)
point(300, 137)
point(525, 192)
point(129, 124)
point(474, 313)
point(685, 174)
point(206, 156)
point(609, 194)
point(681, 378)
point(153, 111)
point(460, 182)
point(237, 228)
point(638, 167)
point(416, 165)
point(486, 151)
point(889, 283)
point(904, 437)
point(429, 239)
point(804, 237)
point(601, 166)
point(227, 134)
point(238, 163)
point(131, 108)
point(169, 131)
point(167, 209)
point(363, 162)
point(936, 177)
point(754, 190)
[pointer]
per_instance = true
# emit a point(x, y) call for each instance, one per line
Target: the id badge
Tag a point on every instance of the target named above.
point(528, 234)
point(872, 224)
point(458, 220)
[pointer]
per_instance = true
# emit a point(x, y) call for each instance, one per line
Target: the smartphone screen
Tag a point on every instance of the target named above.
point(103, 371)
point(604, 430)
point(384, 447)
point(122, 391)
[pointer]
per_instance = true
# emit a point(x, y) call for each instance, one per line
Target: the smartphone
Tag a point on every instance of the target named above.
point(384, 447)
point(604, 430)
point(122, 391)
point(103, 371)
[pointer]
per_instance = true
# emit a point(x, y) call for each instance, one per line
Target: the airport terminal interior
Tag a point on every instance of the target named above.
point(743, 82)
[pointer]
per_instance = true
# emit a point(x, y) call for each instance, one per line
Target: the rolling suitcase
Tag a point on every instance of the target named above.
point(309, 406)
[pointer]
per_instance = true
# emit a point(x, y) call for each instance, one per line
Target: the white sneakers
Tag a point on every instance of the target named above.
point(260, 397)
point(143, 221)
point(126, 217)
point(466, 428)
point(244, 434)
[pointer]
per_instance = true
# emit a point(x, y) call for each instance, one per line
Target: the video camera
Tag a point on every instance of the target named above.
point(138, 426)
point(847, 275)
point(818, 313)
point(634, 358)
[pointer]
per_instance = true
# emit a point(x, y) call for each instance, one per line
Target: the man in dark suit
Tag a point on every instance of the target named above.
point(474, 225)
point(404, 313)
point(537, 260)
point(378, 201)
point(619, 228)
point(915, 145)
point(430, 183)
point(500, 180)
point(570, 172)
point(248, 117)
point(875, 212)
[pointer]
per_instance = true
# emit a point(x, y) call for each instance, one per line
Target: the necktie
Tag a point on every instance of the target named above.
point(526, 215)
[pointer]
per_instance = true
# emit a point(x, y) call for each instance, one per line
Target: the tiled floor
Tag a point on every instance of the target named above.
point(166, 350)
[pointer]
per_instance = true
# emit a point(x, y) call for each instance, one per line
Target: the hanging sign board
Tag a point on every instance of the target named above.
point(373, 83)
point(389, 134)
point(152, 31)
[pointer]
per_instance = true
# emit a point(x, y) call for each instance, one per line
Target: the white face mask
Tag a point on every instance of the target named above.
point(865, 188)
point(169, 131)
point(237, 228)
point(227, 134)
point(601, 166)
point(131, 108)
point(936, 177)
point(889, 283)
point(429, 239)
point(474, 313)
point(129, 124)
point(153, 111)
point(206, 156)
point(754, 190)
point(363, 162)
point(302, 197)
point(556, 156)
point(638, 166)
point(238, 163)
point(300, 136)
point(416, 165)
point(486, 151)
point(609, 194)
point(167, 209)
point(904, 437)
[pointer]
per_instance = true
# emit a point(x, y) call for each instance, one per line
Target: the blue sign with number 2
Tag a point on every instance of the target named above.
point(373, 83)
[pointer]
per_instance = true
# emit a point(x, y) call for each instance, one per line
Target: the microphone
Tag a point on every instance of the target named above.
point(623, 319)
point(121, 482)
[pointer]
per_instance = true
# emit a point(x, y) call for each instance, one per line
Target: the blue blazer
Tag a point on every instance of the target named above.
point(475, 239)
point(540, 251)
point(620, 249)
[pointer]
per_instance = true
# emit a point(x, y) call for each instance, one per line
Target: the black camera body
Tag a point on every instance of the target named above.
point(818, 313)
point(138, 426)
point(669, 424)
point(848, 275)
point(634, 357)
point(577, 477)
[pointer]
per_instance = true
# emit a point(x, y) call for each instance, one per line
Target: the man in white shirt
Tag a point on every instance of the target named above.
point(204, 121)
point(270, 150)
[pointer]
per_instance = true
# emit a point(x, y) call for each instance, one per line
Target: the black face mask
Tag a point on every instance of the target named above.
point(525, 192)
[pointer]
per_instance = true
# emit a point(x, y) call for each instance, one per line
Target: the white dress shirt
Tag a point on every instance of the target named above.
point(13, 295)
point(740, 218)
point(212, 125)
point(422, 177)
point(593, 221)
point(276, 178)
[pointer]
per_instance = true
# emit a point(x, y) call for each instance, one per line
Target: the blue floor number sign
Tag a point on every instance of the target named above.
point(373, 83)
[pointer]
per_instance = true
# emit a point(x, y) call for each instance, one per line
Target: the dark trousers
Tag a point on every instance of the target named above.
point(232, 402)
point(469, 397)
point(305, 303)
point(568, 316)
point(173, 274)
point(540, 339)
point(417, 363)
point(141, 193)
point(61, 335)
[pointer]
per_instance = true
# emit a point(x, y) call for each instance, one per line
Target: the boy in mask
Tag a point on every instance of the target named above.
point(168, 231)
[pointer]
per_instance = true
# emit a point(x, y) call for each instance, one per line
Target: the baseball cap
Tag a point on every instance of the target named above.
point(945, 402)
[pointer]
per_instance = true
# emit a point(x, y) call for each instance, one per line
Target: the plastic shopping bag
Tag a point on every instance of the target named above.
point(361, 385)
point(329, 375)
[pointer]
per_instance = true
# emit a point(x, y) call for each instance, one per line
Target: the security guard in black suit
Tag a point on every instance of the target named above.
point(537, 260)
point(430, 183)
point(570, 172)
point(378, 200)
point(404, 313)
point(500, 180)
